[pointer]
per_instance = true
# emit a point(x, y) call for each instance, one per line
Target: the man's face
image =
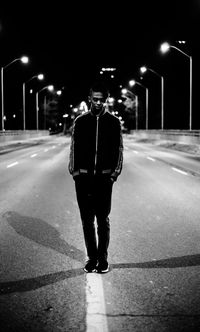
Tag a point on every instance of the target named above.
point(97, 101)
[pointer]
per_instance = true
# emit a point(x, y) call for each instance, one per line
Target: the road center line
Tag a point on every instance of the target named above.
point(13, 164)
point(33, 155)
point(179, 171)
point(95, 312)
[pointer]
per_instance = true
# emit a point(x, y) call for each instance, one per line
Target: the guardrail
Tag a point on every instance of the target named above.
point(22, 132)
point(181, 136)
point(8, 135)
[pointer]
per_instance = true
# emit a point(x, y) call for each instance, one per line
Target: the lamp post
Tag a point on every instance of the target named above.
point(48, 87)
point(164, 48)
point(132, 83)
point(39, 77)
point(143, 70)
point(23, 59)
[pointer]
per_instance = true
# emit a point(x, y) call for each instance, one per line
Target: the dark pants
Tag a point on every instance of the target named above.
point(94, 200)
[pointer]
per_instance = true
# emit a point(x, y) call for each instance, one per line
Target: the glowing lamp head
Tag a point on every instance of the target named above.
point(132, 82)
point(165, 47)
point(24, 59)
point(124, 91)
point(50, 87)
point(143, 69)
point(40, 77)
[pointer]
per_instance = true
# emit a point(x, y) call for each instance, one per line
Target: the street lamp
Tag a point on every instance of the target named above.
point(132, 83)
point(39, 77)
point(165, 48)
point(23, 59)
point(48, 87)
point(143, 70)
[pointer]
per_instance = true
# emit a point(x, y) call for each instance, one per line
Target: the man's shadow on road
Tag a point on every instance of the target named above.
point(44, 234)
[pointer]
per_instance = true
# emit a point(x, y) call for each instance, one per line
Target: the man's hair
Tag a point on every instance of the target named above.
point(99, 87)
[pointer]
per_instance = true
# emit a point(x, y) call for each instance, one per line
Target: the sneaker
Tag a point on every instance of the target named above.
point(103, 267)
point(90, 266)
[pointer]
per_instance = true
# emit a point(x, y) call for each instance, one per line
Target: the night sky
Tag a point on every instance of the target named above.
point(70, 42)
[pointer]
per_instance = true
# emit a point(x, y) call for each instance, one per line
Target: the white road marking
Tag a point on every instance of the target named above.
point(152, 159)
point(95, 313)
point(46, 150)
point(13, 164)
point(135, 151)
point(33, 155)
point(179, 171)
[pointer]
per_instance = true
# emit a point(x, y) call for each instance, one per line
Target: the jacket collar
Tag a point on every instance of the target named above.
point(100, 114)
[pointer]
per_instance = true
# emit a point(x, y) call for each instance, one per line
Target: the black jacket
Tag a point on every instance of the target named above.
point(96, 145)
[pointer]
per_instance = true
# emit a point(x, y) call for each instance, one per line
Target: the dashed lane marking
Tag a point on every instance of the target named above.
point(13, 164)
point(179, 171)
point(150, 158)
point(33, 155)
point(95, 313)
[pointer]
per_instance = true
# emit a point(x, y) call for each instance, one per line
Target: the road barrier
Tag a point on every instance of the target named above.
point(17, 135)
point(179, 136)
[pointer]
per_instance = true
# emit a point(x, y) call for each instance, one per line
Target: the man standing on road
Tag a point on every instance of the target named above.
point(96, 156)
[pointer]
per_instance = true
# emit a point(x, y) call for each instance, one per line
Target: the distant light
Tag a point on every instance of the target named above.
point(31, 91)
point(101, 72)
point(40, 77)
point(119, 101)
point(65, 115)
point(60, 124)
point(124, 91)
point(83, 106)
point(181, 41)
point(50, 87)
point(132, 82)
point(108, 69)
point(59, 92)
point(24, 59)
point(14, 115)
point(111, 101)
point(165, 47)
point(143, 69)
point(112, 76)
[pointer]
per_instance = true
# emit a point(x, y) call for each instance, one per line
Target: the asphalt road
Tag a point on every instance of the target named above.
point(154, 251)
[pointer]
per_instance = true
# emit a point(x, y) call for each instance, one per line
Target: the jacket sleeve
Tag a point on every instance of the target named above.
point(119, 164)
point(71, 153)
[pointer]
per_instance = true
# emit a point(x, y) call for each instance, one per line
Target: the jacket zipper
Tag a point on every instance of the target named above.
point(97, 133)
